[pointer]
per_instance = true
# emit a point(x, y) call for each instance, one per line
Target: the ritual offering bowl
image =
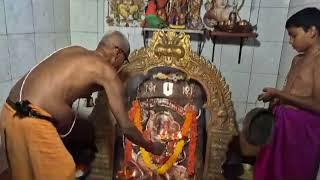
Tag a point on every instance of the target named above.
point(244, 26)
point(226, 26)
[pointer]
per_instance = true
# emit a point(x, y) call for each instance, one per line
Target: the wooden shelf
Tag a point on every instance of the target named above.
point(190, 31)
point(231, 34)
point(210, 33)
point(215, 34)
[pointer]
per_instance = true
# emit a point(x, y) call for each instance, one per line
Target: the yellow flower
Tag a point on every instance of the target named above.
point(168, 164)
point(173, 158)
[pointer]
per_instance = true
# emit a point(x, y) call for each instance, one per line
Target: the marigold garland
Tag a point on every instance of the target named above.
point(137, 115)
point(193, 145)
point(190, 122)
point(128, 152)
point(129, 148)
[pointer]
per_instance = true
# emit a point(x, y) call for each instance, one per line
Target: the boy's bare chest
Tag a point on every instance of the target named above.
point(300, 80)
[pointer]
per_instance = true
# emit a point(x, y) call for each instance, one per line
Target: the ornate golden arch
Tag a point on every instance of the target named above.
point(174, 50)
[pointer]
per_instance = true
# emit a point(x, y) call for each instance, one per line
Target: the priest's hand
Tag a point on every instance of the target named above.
point(158, 148)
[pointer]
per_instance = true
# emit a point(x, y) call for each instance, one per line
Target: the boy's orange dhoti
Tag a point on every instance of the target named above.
point(34, 148)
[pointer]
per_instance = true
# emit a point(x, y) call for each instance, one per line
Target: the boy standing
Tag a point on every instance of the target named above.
point(295, 149)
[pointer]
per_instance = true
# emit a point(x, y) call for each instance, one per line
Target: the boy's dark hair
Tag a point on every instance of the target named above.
point(305, 18)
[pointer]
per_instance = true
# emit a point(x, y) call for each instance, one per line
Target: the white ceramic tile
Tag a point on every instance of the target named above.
point(240, 109)
point(208, 51)
point(258, 82)
point(286, 38)
point(249, 3)
point(100, 35)
point(197, 41)
point(230, 55)
point(45, 45)
point(62, 40)
point(83, 15)
point(108, 28)
point(43, 15)
point(251, 106)
point(271, 24)
point(22, 53)
point(294, 3)
point(238, 83)
point(135, 40)
point(194, 46)
point(2, 101)
point(16, 79)
point(244, 13)
point(5, 89)
point(295, 9)
point(87, 40)
point(253, 16)
point(268, 3)
point(267, 58)
point(107, 12)
point(249, 12)
point(287, 55)
point(275, 3)
point(305, 3)
point(202, 10)
point(61, 15)
point(281, 80)
point(19, 16)
point(5, 73)
point(311, 2)
point(101, 15)
point(3, 25)
point(135, 37)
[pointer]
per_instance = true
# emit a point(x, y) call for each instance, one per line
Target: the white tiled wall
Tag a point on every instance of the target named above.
point(86, 22)
point(29, 31)
point(304, 3)
point(43, 16)
point(257, 82)
point(260, 58)
point(19, 18)
point(5, 73)
point(22, 53)
point(61, 11)
point(271, 24)
point(3, 29)
point(45, 44)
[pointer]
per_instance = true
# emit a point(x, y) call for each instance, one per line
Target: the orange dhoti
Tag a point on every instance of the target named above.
point(34, 148)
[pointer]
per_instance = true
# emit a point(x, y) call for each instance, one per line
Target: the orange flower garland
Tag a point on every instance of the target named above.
point(135, 116)
point(193, 146)
point(128, 149)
